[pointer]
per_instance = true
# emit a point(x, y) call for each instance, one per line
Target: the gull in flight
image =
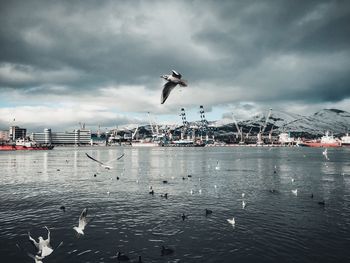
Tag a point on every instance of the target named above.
point(172, 81)
point(43, 246)
point(325, 154)
point(295, 192)
point(82, 222)
point(232, 221)
point(104, 165)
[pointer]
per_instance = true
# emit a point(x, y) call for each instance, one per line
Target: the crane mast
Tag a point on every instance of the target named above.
point(239, 131)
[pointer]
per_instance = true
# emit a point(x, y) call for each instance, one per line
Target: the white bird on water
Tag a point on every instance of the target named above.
point(217, 167)
point(243, 195)
point(82, 222)
point(232, 221)
point(43, 246)
point(243, 204)
point(172, 81)
point(295, 192)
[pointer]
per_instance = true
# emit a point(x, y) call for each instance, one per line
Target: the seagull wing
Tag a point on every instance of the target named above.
point(167, 88)
point(36, 244)
point(82, 219)
point(94, 159)
point(183, 83)
point(176, 74)
point(118, 158)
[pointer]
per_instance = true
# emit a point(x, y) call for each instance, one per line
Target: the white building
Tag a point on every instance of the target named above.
point(77, 137)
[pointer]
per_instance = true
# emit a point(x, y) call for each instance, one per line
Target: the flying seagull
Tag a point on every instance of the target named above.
point(82, 222)
point(43, 246)
point(172, 81)
point(38, 258)
point(104, 165)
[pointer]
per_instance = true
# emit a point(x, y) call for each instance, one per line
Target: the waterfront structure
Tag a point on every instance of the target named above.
point(16, 132)
point(77, 137)
point(4, 135)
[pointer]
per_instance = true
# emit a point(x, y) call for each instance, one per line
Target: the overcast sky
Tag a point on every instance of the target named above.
point(99, 62)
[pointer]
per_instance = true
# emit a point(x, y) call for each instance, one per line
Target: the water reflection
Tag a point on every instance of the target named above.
point(34, 185)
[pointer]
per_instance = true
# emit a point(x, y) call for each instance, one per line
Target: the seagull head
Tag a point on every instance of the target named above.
point(41, 239)
point(164, 77)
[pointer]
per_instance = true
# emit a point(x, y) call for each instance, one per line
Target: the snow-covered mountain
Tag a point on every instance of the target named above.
point(333, 120)
point(336, 121)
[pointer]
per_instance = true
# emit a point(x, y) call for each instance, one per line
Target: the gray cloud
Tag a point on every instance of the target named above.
point(261, 51)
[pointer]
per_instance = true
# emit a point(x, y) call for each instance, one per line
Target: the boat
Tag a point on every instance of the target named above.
point(145, 143)
point(325, 141)
point(186, 143)
point(345, 140)
point(21, 144)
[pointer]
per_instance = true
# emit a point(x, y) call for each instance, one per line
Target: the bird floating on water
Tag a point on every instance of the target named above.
point(82, 222)
point(172, 81)
point(322, 203)
point(217, 167)
point(244, 204)
point(208, 211)
point(166, 251)
point(63, 208)
point(122, 257)
point(232, 221)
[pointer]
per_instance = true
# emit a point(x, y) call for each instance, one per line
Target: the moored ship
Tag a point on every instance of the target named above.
point(345, 140)
point(25, 145)
point(325, 141)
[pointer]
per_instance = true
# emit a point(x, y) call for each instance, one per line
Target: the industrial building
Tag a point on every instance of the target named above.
point(16, 132)
point(77, 137)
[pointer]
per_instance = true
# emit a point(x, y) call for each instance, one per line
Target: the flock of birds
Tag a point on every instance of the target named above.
point(43, 246)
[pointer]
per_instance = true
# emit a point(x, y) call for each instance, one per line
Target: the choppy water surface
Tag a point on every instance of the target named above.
point(274, 227)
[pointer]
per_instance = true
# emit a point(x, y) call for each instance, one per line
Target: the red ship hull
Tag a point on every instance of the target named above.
point(320, 144)
point(21, 148)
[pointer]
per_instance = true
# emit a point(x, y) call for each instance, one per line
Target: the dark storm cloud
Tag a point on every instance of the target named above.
point(85, 45)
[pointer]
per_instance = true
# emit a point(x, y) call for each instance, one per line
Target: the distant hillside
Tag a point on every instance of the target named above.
point(333, 120)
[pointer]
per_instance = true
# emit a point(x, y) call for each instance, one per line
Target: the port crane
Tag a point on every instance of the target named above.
point(134, 133)
point(262, 129)
point(184, 122)
point(204, 122)
point(239, 131)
